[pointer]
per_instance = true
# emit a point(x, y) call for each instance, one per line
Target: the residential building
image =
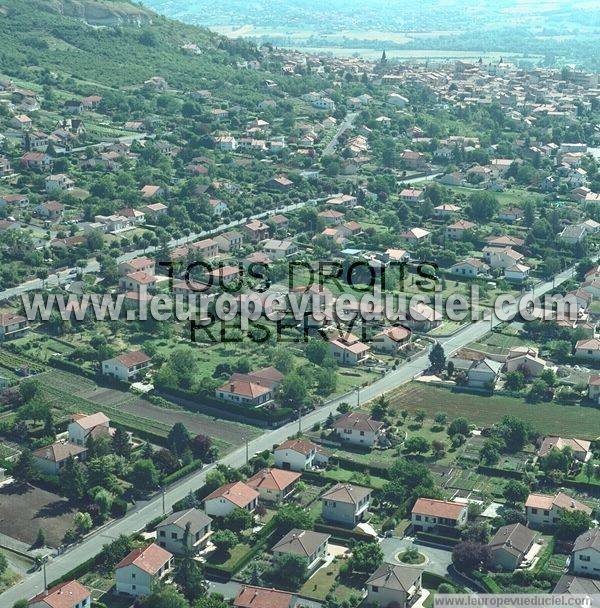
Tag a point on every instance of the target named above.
point(416, 235)
point(12, 326)
point(256, 230)
point(299, 455)
point(580, 448)
point(484, 373)
point(529, 363)
point(411, 195)
point(458, 229)
point(544, 511)
point(517, 273)
point(273, 485)
point(569, 584)
point(229, 241)
point(127, 366)
point(229, 497)
point(594, 388)
point(309, 545)
point(143, 264)
point(392, 339)
point(394, 586)
point(261, 597)
point(510, 546)
point(52, 458)
point(278, 250)
point(85, 426)
point(346, 504)
point(586, 554)
point(347, 349)
point(432, 514)
point(588, 349)
point(139, 572)
point(58, 182)
point(135, 281)
point(359, 428)
point(39, 161)
point(70, 594)
point(206, 248)
point(470, 267)
point(184, 532)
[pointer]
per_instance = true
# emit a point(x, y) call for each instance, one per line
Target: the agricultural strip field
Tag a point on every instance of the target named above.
point(548, 418)
point(75, 393)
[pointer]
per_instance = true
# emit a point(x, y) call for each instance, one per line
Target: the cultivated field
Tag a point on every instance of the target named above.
point(564, 420)
point(24, 510)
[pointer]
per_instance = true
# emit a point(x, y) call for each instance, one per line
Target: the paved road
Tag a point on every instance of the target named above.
point(344, 126)
point(136, 519)
point(438, 560)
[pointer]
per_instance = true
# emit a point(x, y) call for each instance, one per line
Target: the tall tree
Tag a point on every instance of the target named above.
point(72, 480)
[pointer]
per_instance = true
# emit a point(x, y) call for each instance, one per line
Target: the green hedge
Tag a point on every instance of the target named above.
point(186, 470)
point(495, 472)
point(437, 539)
point(279, 416)
point(342, 533)
point(76, 572)
point(433, 581)
point(546, 555)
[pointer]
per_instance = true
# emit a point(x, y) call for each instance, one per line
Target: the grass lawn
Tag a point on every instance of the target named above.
point(8, 579)
point(230, 558)
point(326, 580)
point(344, 475)
point(550, 418)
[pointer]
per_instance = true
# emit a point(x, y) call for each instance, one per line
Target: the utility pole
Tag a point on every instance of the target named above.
point(44, 569)
point(300, 421)
point(358, 396)
point(163, 492)
point(492, 320)
point(247, 452)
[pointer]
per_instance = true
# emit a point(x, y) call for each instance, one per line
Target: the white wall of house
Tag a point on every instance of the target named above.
point(356, 437)
point(344, 513)
point(170, 537)
point(133, 581)
point(586, 562)
point(292, 460)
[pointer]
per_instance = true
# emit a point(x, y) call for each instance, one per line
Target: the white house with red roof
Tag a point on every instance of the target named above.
point(127, 366)
point(347, 349)
point(85, 426)
point(543, 510)
point(299, 455)
point(392, 339)
point(141, 264)
point(359, 428)
point(134, 281)
point(274, 485)
point(431, 514)
point(138, 572)
point(70, 594)
point(229, 497)
point(411, 195)
point(12, 326)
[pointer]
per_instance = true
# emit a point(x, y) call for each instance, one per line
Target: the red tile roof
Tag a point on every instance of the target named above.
point(237, 492)
point(438, 508)
point(149, 559)
point(65, 595)
point(273, 479)
point(259, 597)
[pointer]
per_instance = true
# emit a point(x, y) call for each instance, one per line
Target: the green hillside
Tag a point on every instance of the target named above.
point(37, 36)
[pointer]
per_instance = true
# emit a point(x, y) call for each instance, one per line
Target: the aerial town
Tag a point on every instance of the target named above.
point(291, 462)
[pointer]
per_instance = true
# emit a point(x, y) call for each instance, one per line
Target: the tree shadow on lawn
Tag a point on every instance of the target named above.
point(14, 489)
point(57, 508)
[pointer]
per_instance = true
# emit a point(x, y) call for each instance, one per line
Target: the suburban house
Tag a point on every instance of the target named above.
point(253, 388)
point(458, 229)
point(594, 388)
point(256, 230)
point(273, 485)
point(127, 366)
point(517, 273)
point(277, 250)
point(229, 497)
point(299, 455)
point(588, 349)
point(483, 373)
point(411, 195)
point(151, 191)
point(348, 350)
point(510, 546)
point(527, 362)
point(421, 317)
point(392, 339)
point(311, 546)
point(52, 458)
point(415, 236)
point(135, 281)
point(141, 264)
point(576, 585)
point(346, 504)
point(85, 426)
point(139, 571)
point(432, 514)
point(586, 554)
point(70, 594)
point(206, 248)
point(543, 510)
point(39, 161)
point(192, 525)
point(359, 428)
point(394, 586)
point(580, 447)
point(12, 326)
point(470, 267)
point(331, 217)
point(261, 597)
point(229, 241)
point(50, 210)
